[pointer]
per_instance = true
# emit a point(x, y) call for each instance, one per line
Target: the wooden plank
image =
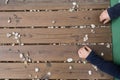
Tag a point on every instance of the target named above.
point(49, 52)
point(48, 4)
point(53, 1)
point(51, 7)
point(56, 35)
point(60, 18)
point(56, 71)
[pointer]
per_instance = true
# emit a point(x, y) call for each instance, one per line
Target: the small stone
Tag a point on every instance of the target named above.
point(92, 31)
point(71, 9)
point(70, 67)
point(23, 58)
point(38, 61)
point(90, 72)
point(31, 10)
point(6, 1)
point(29, 60)
point(9, 20)
point(16, 34)
point(18, 41)
point(74, 3)
point(108, 45)
point(49, 73)
point(37, 69)
point(22, 44)
point(81, 27)
point(62, 26)
point(53, 22)
point(8, 35)
point(19, 36)
point(16, 37)
point(84, 62)
point(102, 54)
point(101, 43)
point(93, 26)
point(95, 67)
point(85, 38)
point(54, 44)
point(13, 33)
point(69, 60)
point(25, 62)
point(13, 44)
point(21, 55)
point(34, 10)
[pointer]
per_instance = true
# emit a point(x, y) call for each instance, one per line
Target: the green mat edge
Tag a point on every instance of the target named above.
point(115, 26)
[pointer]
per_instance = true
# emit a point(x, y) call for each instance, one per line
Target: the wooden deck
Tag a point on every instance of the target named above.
point(39, 39)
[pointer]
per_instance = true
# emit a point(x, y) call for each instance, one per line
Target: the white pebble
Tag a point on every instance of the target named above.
point(71, 9)
point(85, 38)
point(49, 73)
point(108, 45)
point(37, 69)
point(93, 26)
point(9, 21)
point(84, 62)
point(53, 22)
point(74, 3)
point(16, 37)
point(70, 67)
point(18, 41)
point(6, 1)
point(95, 67)
point(22, 44)
point(92, 31)
point(90, 72)
point(8, 35)
point(16, 34)
point(19, 35)
point(13, 33)
point(21, 55)
point(69, 60)
point(29, 60)
point(13, 44)
point(102, 54)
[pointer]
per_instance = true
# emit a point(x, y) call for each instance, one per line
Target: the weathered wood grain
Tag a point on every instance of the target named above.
point(49, 52)
point(51, 4)
point(59, 35)
point(57, 70)
point(60, 18)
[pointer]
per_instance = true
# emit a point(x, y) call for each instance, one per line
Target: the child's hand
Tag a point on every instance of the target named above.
point(104, 17)
point(84, 52)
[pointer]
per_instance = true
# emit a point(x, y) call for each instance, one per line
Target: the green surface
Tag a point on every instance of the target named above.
point(116, 36)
